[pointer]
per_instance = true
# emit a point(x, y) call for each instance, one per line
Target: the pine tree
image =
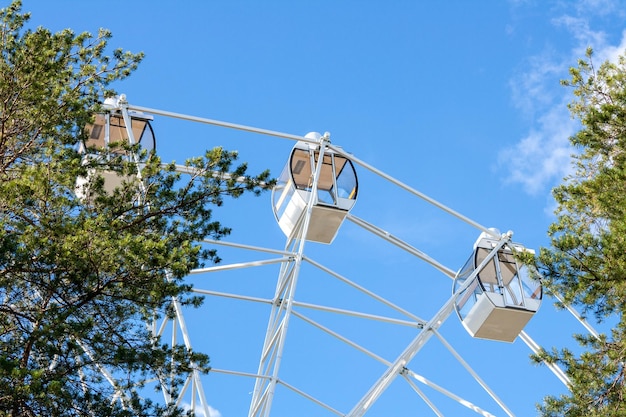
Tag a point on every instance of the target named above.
point(586, 262)
point(79, 277)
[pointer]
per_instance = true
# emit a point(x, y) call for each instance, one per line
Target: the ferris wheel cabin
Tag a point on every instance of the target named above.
point(110, 128)
point(501, 298)
point(336, 192)
point(106, 137)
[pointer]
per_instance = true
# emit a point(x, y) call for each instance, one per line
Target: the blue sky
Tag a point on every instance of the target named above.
point(460, 100)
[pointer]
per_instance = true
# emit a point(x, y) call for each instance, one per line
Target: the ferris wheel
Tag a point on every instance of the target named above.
point(289, 334)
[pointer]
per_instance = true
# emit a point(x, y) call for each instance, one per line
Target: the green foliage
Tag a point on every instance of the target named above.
point(80, 277)
point(586, 263)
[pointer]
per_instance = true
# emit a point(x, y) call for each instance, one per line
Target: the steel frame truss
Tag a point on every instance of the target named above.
point(285, 306)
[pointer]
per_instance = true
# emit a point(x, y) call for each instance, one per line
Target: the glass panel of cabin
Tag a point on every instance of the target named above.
point(283, 192)
point(144, 135)
point(467, 298)
point(488, 275)
point(531, 287)
point(142, 132)
point(117, 131)
point(96, 132)
point(119, 134)
point(301, 169)
point(326, 182)
point(346, 178)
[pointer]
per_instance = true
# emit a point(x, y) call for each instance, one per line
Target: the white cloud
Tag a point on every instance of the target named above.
point(532, 88)
point(599, 7)
point(551, 207)
point(579, 29)
point(199, 411)
point(213, 412)
point(544, 154)
point(542, 157)
point(611, 53)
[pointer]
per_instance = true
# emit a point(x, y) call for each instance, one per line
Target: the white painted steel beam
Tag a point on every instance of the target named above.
point(269, 365)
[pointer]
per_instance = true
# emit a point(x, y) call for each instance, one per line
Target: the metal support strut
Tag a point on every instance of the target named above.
point(282, 306)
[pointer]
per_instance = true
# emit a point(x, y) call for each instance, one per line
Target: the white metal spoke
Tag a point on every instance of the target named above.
point(422, 395)
point(577, 315)
point(476, 377)
point(233, 296)
point(358, 314)
point(401, 244)
point(310, 398)
point(220, 123)
point(449, 394)
point(342, 338)
point(221, 268)
point(416, 193)
point(558, 372)
point(248, 247)
point(365, 291)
